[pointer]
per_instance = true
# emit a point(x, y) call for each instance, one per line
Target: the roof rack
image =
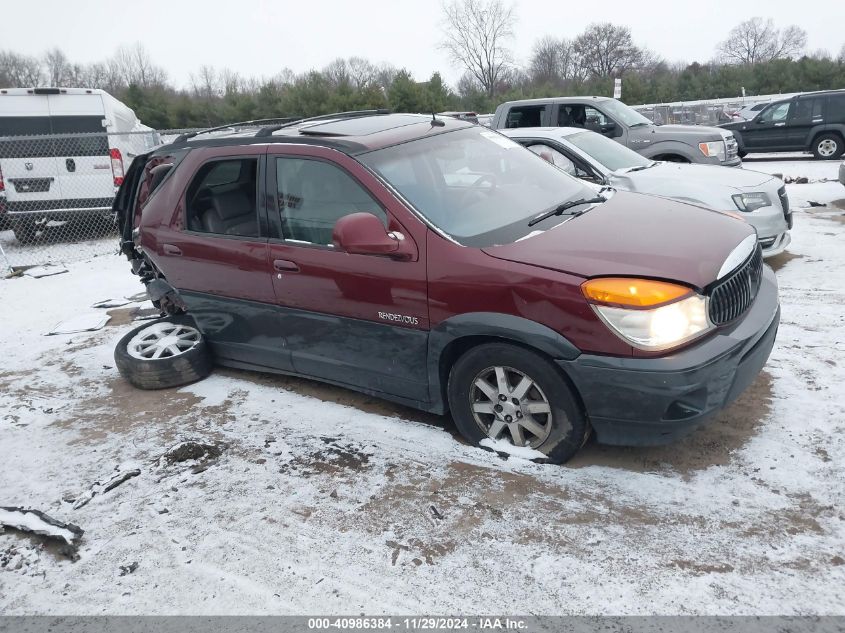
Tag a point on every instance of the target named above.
point(188, 135)
point(351, 114)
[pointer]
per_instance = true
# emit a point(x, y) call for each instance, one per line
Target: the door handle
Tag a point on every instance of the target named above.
point(779, 124)
point(285, 266)
point(170, 249)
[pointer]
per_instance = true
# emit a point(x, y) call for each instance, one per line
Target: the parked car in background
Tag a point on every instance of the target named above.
point(485, 119)
point(472, 117)
point(45, 176)
point(746, 113)
point(759, 198)
point(439, 264)
point(614, 119)
point(812, 122)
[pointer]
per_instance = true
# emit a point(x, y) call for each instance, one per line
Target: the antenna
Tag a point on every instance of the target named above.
point(435, 122)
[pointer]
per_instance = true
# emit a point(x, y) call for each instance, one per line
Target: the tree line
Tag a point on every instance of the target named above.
point(477, 35)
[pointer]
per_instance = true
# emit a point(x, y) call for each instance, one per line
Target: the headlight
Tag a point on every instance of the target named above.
point(714, 148)
point(649, 315)
point(751, 201)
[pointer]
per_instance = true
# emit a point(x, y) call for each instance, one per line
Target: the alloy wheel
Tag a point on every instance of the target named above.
point(508, 404)
point(163, 340)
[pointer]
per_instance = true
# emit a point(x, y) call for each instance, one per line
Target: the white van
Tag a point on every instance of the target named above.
point(62, 178)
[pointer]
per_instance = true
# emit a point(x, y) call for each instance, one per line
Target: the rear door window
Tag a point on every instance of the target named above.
point(221, 198)
point(526, 116)
point(805, 110)
point(836, 108)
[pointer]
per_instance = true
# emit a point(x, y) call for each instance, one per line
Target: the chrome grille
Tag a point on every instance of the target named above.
point(734, 295)
point(731, 147)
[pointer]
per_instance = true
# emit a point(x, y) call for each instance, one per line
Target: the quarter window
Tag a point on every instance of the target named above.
point(312, 195)
point(221, 198)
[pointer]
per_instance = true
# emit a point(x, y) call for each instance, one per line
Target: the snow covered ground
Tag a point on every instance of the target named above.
point(325, 501)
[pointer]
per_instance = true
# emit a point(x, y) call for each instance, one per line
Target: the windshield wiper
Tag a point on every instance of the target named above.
point(641, 167)
point(566, 206)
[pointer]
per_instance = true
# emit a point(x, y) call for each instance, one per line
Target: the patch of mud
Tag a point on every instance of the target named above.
point(779, 261)
point(334, 459)
point(710, 445)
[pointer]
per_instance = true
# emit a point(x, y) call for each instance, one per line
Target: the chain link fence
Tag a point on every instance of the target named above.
point(705, 112)
point(56, 193)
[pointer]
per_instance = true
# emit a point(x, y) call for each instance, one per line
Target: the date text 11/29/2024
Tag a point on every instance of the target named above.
point(417, 623)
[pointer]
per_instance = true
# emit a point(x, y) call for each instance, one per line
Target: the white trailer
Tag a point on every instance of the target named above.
point(62, 154)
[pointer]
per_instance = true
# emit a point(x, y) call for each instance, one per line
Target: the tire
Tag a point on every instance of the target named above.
point(137, 363)
point(674, 158)
point(742, 153)
point(25, 230)
point(564, 428)
point(828, 147)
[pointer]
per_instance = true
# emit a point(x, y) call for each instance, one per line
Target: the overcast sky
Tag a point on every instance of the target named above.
point(261, 37)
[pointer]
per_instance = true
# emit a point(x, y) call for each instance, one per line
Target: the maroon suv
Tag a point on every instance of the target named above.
point(439, 264)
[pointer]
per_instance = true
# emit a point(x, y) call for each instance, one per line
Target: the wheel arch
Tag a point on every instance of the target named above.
point(455, 336)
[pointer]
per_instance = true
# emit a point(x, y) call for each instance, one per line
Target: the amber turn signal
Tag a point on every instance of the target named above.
point(632, 293)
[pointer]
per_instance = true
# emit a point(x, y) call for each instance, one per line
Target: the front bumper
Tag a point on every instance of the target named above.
point(648, 401)
point(775, 245)
point(736, 161)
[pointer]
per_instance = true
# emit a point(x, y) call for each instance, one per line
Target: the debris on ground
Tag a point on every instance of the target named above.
point(111, 303)
point(36, 522)
point(81, 323)
point(203, 454)
point(20, 558)
point(813, 203)
point(125, 570)
point(97, 487)
point(47, 270)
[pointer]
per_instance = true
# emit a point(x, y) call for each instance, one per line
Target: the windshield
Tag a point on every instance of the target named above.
point(606, 152)
point(624, 114)
point(476, 185)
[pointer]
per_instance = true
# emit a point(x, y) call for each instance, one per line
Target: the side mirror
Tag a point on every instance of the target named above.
point(364, 234)
point(608, 129)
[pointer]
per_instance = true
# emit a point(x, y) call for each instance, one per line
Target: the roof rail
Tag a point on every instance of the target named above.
point(187, 135)
point(351, 114)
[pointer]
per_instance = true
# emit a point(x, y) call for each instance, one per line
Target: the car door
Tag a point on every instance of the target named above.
point(357, 320)
point(214, 251)
point(806, 113)
point(767, 132)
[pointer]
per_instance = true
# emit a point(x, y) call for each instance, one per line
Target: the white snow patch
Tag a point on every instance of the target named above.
point(31, 522)
point(503, 446)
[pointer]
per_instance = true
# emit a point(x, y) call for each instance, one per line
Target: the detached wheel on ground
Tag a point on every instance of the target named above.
point(828, 147)
point(170, 352)
point(25, 230)
point(507, 393)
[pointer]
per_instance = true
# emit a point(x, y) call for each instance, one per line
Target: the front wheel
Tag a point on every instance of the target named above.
point(516, 397)
point(828, 147)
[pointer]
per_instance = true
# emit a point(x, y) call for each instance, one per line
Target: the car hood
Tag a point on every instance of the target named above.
point(693, 132)
point(700, 182)
point(634, 235)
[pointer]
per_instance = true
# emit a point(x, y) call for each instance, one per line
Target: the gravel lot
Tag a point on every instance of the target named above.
point(325, 501)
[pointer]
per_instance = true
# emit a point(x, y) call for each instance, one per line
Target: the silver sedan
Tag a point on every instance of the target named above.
point(758, 198)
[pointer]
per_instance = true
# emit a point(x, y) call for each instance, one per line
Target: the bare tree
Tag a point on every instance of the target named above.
point(607, 50)
point(841, 57)
point(206, 83)
point(19, 71)
point(475, 35)
point(337, 73)
point(57, 66)
point(757, 40)
point(133, 65)
point(362, 72)
point(554, 61)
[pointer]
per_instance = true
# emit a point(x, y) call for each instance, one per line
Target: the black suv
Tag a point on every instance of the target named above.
point(813, 122)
